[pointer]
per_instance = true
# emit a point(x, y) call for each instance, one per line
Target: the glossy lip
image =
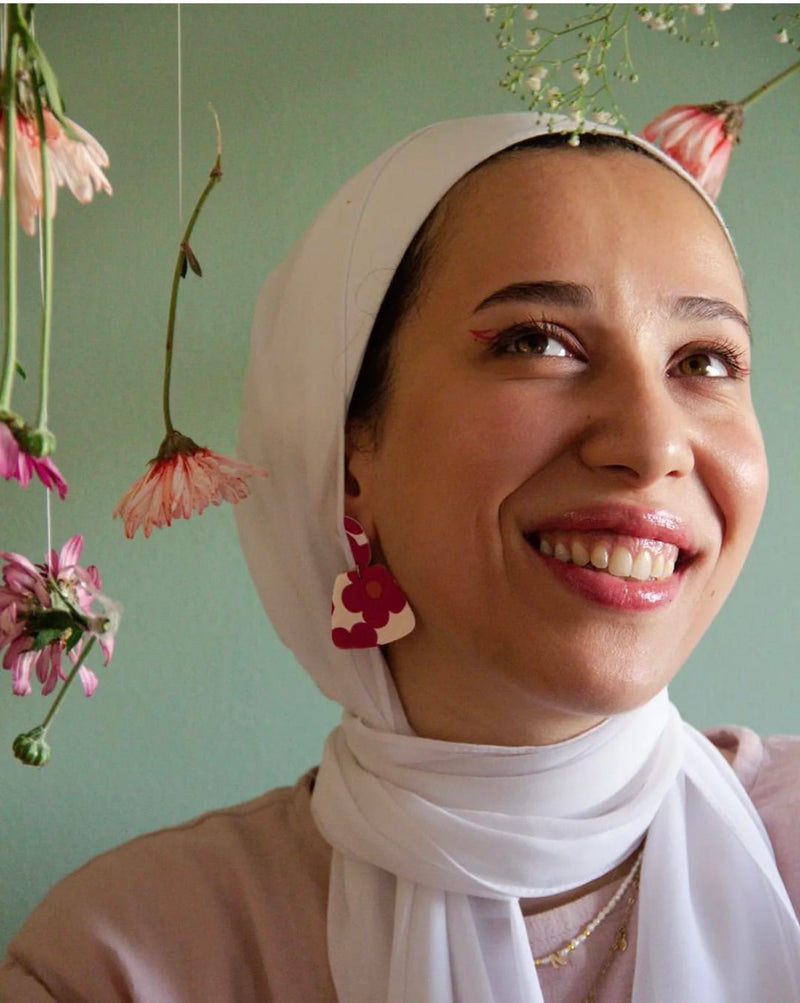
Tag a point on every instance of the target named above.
point(631, 521)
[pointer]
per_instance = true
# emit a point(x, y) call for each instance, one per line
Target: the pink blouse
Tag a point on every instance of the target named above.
point(231, 907)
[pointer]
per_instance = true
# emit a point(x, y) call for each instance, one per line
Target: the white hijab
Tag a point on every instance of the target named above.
point(434, 842)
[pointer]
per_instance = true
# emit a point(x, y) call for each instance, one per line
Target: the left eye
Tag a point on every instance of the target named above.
point(703, 364)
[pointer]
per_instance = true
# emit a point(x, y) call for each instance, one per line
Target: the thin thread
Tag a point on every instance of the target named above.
point(180, 120)
point(48, 518)
point(49, 525)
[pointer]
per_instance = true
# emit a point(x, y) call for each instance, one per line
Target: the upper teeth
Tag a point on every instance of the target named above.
point(641, 560)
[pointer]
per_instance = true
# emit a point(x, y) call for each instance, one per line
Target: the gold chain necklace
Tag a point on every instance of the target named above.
point(560, 957)
point(620, 944)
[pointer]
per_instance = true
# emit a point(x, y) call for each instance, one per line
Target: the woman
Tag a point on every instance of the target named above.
point(550, 443)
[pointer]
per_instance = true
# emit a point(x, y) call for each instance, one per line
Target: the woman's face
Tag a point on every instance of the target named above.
point(569, 472)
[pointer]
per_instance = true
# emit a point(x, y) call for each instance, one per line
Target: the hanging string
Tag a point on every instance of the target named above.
point(180, 121)
point(48, 517)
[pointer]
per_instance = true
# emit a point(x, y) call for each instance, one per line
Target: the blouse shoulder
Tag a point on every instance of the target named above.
point(769, 769)
point(230, 905)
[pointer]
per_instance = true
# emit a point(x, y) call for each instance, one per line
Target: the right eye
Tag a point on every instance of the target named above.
point(532, 339)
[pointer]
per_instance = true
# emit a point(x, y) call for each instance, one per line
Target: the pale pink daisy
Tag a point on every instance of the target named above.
point(183, 478)
point(700, 138)
point(16, 464)
point(75, 162)
point(47, 611)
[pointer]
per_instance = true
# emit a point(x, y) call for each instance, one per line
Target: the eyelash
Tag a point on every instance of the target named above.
point(501, 341)
point(728, 352)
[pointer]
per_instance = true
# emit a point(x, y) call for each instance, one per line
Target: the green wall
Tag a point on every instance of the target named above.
point(201, 705)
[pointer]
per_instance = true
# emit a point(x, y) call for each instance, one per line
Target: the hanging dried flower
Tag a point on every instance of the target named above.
point(183, 478)
point(47, 611)
point(17, 464)
point(700, 138)
point(75, 159)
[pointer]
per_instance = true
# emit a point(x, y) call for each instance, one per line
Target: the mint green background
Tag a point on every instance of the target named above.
point(202, 706)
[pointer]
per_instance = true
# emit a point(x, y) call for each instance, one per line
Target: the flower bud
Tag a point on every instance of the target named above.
point(31, 747)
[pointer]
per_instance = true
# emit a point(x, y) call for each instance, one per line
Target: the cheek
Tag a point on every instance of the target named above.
point(737, 479)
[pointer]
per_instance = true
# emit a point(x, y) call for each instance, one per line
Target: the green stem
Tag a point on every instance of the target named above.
point(46, 224)
point(67, 683)
point(768, 86)
point(180, 265)
point(10, 214)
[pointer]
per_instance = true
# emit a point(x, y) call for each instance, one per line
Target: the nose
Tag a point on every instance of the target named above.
point(638, 428)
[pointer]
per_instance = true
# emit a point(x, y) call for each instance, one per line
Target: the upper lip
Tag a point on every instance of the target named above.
point(621, 520)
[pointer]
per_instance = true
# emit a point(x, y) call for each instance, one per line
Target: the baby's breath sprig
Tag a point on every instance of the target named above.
point(573, 69)
point(788, 29)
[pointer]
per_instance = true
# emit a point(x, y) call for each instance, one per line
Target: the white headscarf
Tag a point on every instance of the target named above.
point(434, 842)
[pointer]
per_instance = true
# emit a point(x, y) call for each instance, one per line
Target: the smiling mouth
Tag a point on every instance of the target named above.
point(627, 557)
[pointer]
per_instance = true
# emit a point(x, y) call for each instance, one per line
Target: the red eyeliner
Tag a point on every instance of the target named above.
point(486, 335)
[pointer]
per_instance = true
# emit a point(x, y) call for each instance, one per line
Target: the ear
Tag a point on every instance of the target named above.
point(359, 450)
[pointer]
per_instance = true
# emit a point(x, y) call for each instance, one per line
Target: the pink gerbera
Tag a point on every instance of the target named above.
point(183, 478)
point(76, 161)
point(46, 611)
point(700, 138)
point(16, 464)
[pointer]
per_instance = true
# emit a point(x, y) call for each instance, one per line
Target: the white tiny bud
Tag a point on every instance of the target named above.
point(533, 84)
point(659, 23)
point(782, 36)
point(723, 6)
point(581, 74)
point(529, 12)
point(532, 38)
point(489, 11)
point(574, 140)
point(644, 14)
point(540, 72)
point(604, 118)
point(697, 8)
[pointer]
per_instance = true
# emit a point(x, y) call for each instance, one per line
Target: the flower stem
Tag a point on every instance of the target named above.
point(180, 269)
point(768, 86)
point(46, 225)
point(9, 218)
point(67, 683)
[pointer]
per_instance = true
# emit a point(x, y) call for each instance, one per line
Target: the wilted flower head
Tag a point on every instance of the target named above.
point(76, 161)
point(17, 464)
point(700, 138)
point(183, 478)
point(47, 611)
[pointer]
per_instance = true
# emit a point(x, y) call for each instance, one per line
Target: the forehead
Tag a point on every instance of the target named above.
point(575, 209)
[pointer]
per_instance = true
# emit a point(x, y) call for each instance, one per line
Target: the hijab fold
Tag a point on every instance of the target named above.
point(435, 843)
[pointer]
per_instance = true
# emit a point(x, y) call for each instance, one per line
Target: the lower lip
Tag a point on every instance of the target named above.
point(619, 593)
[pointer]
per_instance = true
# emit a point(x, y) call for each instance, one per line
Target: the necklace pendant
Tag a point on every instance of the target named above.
point(558, 960)
point(622, 940)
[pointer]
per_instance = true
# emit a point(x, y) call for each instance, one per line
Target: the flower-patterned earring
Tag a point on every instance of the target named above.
point(369, 607)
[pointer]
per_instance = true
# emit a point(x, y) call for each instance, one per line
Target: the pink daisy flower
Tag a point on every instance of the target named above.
point(16, 464)
point(46, 611)
point(700, 138)
point(75, 162)
point(183, 478)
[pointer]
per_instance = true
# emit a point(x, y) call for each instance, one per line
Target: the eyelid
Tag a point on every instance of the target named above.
point(732, 355)
point(499, 340)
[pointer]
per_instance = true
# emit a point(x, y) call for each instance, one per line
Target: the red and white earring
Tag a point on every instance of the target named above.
point(369, 607)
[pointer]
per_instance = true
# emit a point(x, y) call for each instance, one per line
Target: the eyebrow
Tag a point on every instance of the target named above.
point(552, 292)
point(706, 308)
point(574, 294)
